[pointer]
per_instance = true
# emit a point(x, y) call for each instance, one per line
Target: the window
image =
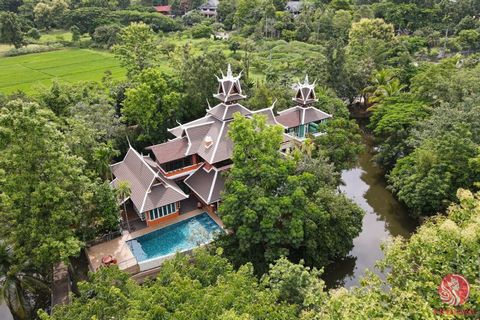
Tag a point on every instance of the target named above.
point(162, 211)
point(177, 164)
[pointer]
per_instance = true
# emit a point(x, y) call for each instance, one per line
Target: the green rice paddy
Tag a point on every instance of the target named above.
point(70, 65)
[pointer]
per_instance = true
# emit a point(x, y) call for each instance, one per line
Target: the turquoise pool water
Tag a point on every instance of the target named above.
point(184, 235)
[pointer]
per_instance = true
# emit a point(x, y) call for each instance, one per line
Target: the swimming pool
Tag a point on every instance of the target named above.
point(181, 236)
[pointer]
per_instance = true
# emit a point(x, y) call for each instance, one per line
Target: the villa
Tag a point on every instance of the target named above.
point(178, 187)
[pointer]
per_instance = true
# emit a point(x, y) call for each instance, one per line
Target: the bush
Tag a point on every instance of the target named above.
point(33, 33)
point(34, 48)
point(106, 36)
point(201, 31)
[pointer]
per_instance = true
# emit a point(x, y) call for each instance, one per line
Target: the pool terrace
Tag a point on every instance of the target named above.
point(120, 249)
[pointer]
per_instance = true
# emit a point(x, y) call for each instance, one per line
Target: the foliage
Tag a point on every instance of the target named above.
point(196, 72)
point(43, 216)
point(18, 284)
point(200, 286)
point(392, 122)
point(137, 48)
point(427, 179)
point(48, 13)
point(275, 209)
point(152, 104)
point(106, 36)
point(32, 49)
point(206, 286)
point(341, 142)
point(11, 29)
point(33, 34)
point(201, 31)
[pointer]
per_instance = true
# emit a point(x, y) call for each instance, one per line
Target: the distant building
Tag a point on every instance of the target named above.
point(193, 162)
point(165, 10)
point(294, 7)
point(209, 8)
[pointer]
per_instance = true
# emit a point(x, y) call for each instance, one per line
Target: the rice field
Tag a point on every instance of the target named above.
point(29, 71)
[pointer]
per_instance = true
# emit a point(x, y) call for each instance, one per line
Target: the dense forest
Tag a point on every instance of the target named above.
point(410, 68)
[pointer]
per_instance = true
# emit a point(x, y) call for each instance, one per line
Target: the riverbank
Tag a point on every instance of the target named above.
point(385, 216)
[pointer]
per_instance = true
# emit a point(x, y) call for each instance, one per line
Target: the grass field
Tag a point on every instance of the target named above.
point(70, 65)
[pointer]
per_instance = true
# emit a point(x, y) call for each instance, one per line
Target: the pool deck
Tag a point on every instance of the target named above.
point(119, 249)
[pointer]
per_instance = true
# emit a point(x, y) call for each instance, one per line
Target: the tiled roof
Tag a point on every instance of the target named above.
point(171, 150)
point(298, 115)
point(225, 112)
point(207, 184)
point(148, 189)
point(165, 9)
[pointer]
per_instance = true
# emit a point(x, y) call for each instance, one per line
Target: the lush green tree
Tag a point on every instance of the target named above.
point(33, 34)
point(341, 142)
point(392, 122)
point(201, 31)
point(369, 47)
point(446, 82)
point(247, 14)
point(106, 36)
point(49, 12)
point(20, 285)
point(196, 73)
point(124, 191)
point(11, 29)
point(234, 45)
point(152, 104)
point(136, 48)
point(75, 33)
point(469, 39)
point(427, 179)
point(47, 218)
point(200, 286)
point(226, 11)
point(281, 209)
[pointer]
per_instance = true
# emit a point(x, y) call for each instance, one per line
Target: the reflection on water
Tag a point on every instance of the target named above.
point(384, 217)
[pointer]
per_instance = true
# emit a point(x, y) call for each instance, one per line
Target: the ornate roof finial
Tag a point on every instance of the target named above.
point(305, 92)
point(229, 88)
point(306, 80)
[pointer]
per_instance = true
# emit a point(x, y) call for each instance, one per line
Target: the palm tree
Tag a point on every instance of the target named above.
point(307, 147)
point(103, 156)
point(124, 191)
point(383, 85)
point(18, 285)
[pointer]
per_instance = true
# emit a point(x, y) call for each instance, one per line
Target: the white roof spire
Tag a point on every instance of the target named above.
point(306, 80)
point(229, 71)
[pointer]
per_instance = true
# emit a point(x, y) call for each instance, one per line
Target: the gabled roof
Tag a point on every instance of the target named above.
point(225, 112)
point(268, 112)
point(207, 184)
point(178, 131)
point(148, 189)
point(170, 150)
point(299, 115)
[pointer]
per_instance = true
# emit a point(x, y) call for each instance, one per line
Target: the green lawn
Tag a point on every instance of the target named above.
point(71, 65)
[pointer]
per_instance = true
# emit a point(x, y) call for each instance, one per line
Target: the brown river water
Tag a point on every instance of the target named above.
point(384, 216)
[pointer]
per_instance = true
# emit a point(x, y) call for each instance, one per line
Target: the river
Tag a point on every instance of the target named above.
point(385, 216)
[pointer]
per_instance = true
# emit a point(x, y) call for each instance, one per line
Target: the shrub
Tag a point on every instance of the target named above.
point(106, 36)
point(201, 31)
point(33, 33)
point(34, 48)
